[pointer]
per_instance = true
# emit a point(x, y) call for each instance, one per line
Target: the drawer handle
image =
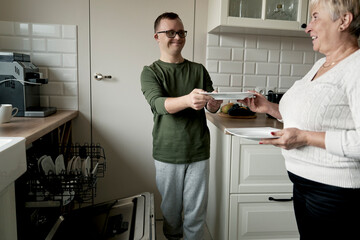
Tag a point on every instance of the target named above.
point(280, 199)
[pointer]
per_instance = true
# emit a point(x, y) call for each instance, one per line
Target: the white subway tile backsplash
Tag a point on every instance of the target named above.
point(274, 56)
point(272, 82)
point(220, 79)
point(300, 70)
point(285, 69)
point(250, 41)
point(39, 44)
point(287, 82)
point(256, 55)
point(53, 49)
point(61, 45)
point(7, 28)
point(16, 43)
point(230, 67)
point(46, 30)
point(237, 54)
point(70, 89)
point(291, 57)
point(22, 28)
point(249, 67)
point(69, 60)
point(218, 53)
point(267, 69)
point(286, 44)
point(230, 89)
point(236, 80)
point(309, 58)
point(63, 74)
point(212, 66)
point(302, 44)
point(263, 62)
point(47, 59)
point(69, 31)
point(52, 88)
point(213, 39)
point(231, 40)
point(268, 42)
point(254, 81)
point(64, 102)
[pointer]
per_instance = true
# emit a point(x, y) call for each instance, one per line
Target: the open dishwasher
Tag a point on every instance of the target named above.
point(122, 219)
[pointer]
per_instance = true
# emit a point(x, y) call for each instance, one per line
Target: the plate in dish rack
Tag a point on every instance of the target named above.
point(229, 95)
point(255, 134)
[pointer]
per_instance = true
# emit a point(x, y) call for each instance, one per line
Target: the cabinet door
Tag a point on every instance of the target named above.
point(250, 16)
point(257, 169)
point(254, 216)
point(122, 43)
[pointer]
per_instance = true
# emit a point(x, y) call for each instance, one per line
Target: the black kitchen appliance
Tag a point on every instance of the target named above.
point(274, 97)
point(20, 83)
point(123, 219)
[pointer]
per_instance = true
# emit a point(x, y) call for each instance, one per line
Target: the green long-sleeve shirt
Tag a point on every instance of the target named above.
point(182, 137)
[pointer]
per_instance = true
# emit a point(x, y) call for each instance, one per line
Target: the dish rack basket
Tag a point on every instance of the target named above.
point(58, 190)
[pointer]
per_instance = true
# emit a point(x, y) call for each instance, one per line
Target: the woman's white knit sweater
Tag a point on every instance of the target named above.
point(330, 104)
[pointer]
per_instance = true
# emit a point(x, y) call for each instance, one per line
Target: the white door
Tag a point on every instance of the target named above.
point(121, 44)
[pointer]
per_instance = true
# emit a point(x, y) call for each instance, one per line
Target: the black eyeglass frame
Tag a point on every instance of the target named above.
point(167, 32)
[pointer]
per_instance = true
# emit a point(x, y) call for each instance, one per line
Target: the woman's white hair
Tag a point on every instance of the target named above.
point(337, 8)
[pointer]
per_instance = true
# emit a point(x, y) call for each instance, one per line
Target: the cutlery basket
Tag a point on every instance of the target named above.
point(59, 188)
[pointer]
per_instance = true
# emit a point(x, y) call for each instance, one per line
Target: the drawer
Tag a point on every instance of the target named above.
point(254, 216)
point(257, 169)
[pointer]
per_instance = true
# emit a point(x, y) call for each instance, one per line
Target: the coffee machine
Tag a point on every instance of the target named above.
point(20, 84)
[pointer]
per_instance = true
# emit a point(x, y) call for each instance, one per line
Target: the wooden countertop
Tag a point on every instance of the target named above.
point(33, 128)
point(261, 120)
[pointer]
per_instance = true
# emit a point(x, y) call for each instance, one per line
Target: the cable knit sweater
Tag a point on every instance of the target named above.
point(330, 104)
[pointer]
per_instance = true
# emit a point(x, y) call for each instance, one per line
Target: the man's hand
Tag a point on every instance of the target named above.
point(197, 101)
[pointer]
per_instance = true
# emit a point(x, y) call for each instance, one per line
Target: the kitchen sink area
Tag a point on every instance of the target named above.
point(12, 166)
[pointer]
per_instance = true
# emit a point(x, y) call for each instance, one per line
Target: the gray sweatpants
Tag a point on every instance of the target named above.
point(183, 188)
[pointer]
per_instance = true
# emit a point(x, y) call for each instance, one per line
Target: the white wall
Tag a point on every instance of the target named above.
point(65, 12)
point(53, 49)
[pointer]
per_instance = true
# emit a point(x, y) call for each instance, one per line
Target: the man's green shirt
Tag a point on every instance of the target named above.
point(182, 137)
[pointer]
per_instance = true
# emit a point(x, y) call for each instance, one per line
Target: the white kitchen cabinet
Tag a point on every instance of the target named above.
point(254, 216)
point(250, 194)
point(270, 17)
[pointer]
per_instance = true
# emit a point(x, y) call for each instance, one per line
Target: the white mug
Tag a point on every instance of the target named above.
point(7, 111)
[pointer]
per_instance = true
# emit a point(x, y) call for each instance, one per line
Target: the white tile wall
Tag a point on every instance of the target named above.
point(238, 62)
point(52, 48)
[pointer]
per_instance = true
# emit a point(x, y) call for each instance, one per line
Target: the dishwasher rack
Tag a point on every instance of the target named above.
point(59, 190)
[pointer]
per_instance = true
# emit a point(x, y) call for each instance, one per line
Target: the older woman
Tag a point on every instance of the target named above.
point(321, 135)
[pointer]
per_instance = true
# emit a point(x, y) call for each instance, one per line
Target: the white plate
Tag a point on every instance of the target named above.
point(255, 134)
point(59, 164)
point(76, 165)
point(69, 165)
point(229, 95)
point(48, 165)
point(86, 167)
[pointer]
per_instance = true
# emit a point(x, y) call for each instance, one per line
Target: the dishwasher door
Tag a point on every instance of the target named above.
point(129, 218)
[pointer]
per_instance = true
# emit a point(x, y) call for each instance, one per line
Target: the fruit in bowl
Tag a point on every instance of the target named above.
point(237, 110)
point(226, 107)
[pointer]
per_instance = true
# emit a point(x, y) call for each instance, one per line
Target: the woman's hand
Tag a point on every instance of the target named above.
point(260, 104)
point(289, 138)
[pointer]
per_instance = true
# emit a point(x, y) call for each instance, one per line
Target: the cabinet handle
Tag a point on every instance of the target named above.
point(280, 199)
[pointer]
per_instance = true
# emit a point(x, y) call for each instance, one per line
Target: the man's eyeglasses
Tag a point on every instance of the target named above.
point(172, 33)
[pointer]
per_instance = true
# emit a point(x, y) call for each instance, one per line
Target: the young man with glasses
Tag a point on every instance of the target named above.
point(172, 86)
